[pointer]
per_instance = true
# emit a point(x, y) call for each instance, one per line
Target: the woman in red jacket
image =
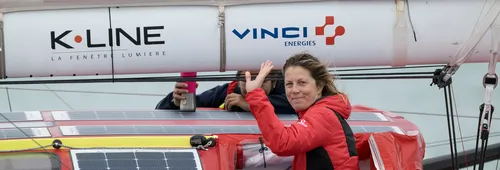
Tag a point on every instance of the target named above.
point(321, 139)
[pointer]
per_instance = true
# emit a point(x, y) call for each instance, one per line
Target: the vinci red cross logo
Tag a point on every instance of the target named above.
point(293, 35)
point(339, 30)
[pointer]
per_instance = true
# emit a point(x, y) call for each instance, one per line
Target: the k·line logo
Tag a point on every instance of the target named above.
point(72, 45)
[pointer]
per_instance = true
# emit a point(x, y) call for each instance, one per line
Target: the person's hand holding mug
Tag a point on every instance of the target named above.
point(180, 88)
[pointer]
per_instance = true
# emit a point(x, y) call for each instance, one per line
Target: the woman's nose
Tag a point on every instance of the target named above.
point(295, 89)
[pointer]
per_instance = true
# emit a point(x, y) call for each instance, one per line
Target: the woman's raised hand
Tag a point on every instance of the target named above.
point(265, 69)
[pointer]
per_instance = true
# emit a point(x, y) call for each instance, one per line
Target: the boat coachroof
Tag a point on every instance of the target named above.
point(157, 139)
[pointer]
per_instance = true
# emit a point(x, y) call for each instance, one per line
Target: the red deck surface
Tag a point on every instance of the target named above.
point(222, 156)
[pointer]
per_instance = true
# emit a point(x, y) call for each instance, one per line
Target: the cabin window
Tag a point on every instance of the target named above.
point(22, 161)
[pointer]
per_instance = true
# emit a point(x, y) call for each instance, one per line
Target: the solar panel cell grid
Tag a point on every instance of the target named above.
point(186, 129)
point(199, 115)
point(21, 116)
point(9, 133)
point(185, 159)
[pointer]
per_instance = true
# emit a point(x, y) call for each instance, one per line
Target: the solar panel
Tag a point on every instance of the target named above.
point(368, 116)
point(136, 159)
point(27, 124)
point(21, 116)
point(188, 129)
point(176, 115)
point(159, 115)
point(9, 133)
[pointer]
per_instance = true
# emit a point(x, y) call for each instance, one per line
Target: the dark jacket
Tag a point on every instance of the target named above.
point(215, 97)
point(320, 140)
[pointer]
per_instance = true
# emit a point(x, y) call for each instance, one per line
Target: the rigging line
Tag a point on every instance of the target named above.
point(88, 92)
point(479, 17)
point(111, 46)
point(453, 124)
point(59, 97)
point(434, 114)
point(169, 79)
point(387, 68)
point(36, 142)
point(446, 142)
point(483, 154)
point(459, 126)
point(497, 164)
point(384, 74)
point(409, 19)
point(280, 76)
point(449, 129)
point(485, 130)
point(214, 76)
point(8, 98)
point(477, 139)
point(332, 72)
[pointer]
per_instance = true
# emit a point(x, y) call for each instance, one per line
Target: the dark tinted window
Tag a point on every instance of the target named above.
point(29, 161)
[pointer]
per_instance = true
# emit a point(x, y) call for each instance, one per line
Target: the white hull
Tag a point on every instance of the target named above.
point(192, 42)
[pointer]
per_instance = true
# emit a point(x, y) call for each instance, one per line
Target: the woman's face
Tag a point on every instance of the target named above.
point(301, 89)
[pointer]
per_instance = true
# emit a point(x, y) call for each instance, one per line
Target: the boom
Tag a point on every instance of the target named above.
point(142, 40)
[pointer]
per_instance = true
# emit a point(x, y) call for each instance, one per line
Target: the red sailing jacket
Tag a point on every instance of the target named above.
point(231, 87)
point(320, 140)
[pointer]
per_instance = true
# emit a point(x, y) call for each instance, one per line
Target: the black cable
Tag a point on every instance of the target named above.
point(453, 124)
point(388, 68)
point(8, 98)
point(484, 125)
point(483, 154)
point(411, 23)
point(111, 46)
point(262, 150)
point(331, 71)
point(497, 164)
point(383, 74)
point(449, 128)
point(477, 138)
point(178, 78)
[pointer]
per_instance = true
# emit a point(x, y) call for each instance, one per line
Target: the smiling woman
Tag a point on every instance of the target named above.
point(321, 133)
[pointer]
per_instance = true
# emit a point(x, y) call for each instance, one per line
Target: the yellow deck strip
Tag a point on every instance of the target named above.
point(105, 142)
